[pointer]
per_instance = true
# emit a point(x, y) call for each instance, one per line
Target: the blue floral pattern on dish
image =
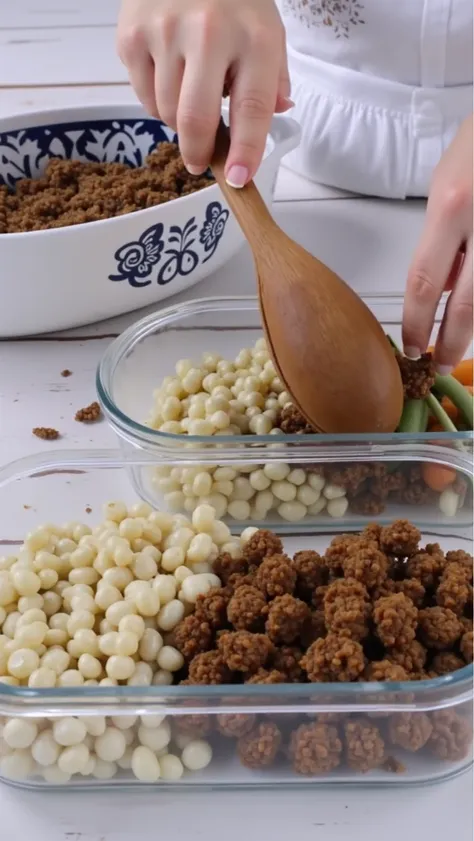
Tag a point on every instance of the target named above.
point(213, 228)
point(135, 260)
point(183, 259)
point(24, 153)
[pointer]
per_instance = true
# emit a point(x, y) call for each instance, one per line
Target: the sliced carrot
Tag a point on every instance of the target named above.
point(450, 408)
point(434, 426)
point(464, 372)
point(437, 477)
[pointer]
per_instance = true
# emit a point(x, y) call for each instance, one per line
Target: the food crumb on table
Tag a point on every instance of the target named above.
point(89, 414)
point(66, 372)
point(46, 433)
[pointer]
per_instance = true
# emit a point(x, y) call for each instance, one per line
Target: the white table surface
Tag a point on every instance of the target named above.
point(58, 52)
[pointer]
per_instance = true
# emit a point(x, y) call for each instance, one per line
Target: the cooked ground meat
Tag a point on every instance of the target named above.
point(401, 538)
point(395, 619)
point(418, 375)
point(445, 663)
point(235, 725)
point(364, 745)
point(192, 636)
point(276, 576)
point(315, 749)
point(287, 660)
point(262, 544)
point(334, 659)
point(259, 747)
point(466, 646)
point(439, 627)
point(212, 608)
point(311, 572)
point(369, 566)
point(410, 731)
point(412, 657)
point(286, 619)
point(347, 608)
point(247, 609)
point(451, 737)
point(225, 565)
point(209, 669)
point(243, 651)
point(385, 671)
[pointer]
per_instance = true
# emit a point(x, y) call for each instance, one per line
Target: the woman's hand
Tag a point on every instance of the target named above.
point(181, 54)
point(443, 260)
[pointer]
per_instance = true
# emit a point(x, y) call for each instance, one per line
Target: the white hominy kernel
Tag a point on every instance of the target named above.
point(53, 775)
point(247, 534)
point(293, 512)
point(166, 587)
point(150, 645)
point(10, 623)
point(22, 663)
point(173, 558)
point(74, 759)
point(198, 585)
point(18, 765)
point(108, 681)
point(144, 567)
point(133, 624)
point(117, 611)
point(71, 677)
point(85, 575)
point(449, 502)
point(171, 767)
point(276, 471)
point(56, 659)
point(80, 619)
point(118, 577)
point(89, 767)
point(115, 511)
point(94, 724)
point(20, 732)
point(108, 643)
point(142, 675)
point(333, 491)
point(196, 755)
point(89, 666)
point(155, 738)
point(162, 678)
point(31, 635)
point(239, 510)
point(170, 659)
point(203, 519)
point(45, 750)
point(28, 603)
point(147, 603)
point(145, 765)
point(181, 573)
point(104, 770)
point(170, 614)
point(111, 745)
point(83, 556)
point(25, 582)
point(69, 731)
point(135, 587)
point(199, 548)
point(259, 481)
point(243, 490)
point(175, 501)
point(126, 644)
point(124, 722)
point(120, 668)
point(307, 495)
point(284, 491)
point(42, 678)
point(84, 601)
point(37, 539)
point(337, 507)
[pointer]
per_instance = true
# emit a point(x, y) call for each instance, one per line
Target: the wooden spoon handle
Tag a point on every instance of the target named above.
point(246, 202)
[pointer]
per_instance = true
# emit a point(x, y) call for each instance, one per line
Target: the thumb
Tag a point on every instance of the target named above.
point(284, 101)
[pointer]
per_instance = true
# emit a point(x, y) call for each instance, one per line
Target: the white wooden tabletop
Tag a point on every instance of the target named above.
point(58, 52)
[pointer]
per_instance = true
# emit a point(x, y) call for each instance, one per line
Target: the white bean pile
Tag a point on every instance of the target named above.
point(219, 397)
point(93, 607)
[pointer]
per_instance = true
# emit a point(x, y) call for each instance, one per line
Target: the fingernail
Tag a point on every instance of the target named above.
point(413, 352)
point(237, 176)
point(289, 102)
point(195, 170)
point(444, 370)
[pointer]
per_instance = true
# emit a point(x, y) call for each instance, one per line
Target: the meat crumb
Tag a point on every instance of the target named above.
point(46, 433)
point(89, 414)
point(66, 372)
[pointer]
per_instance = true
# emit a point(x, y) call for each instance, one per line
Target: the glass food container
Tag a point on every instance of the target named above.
point(280, 482)
point(295, 734)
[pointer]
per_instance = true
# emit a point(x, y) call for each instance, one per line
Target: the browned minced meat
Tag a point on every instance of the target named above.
point(401, 538)
point(369, 566)
point(385, 671)
point(276, 576)
point(192, 636)
point(409, 731)
point(439, 627)
point(260, 545)
point(453, 589)
point(47, 433)
point(393, 765)
point(466, 646)
point(334, 659)
point(286, 619)
point(319, 594)
point(73, 192)
point(311, 572)
point(235, 725)
point(243, 651)
point(446, 662)
point(467, 624)
point(412, 588)
point(411, 657)
point(424, 567)
point(209, 668)
point(418, 375)
point(367, 503)
point(259, 747)
point(292, 422)
point(372, 532)
point(364, 745)
point(265, 676)
point(237, 580)
point(451, 737)
point(348, 476)
point(247, 609)
point(225, 565)
point(338, 550)
point(89, 414)
point(212, 608)
point(197, 725)
point(395, 619)
point(347, 608)
point(287, 660)
point(315, 749)
point(313, 628)
point(459, 556)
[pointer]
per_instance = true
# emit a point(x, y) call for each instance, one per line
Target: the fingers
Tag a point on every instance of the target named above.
point(455, 334)
point(199, 108)
point(254, 94)
point(134, 53)
point(427, 279)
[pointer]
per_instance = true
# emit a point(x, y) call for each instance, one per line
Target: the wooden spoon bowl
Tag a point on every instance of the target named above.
point(330, 351)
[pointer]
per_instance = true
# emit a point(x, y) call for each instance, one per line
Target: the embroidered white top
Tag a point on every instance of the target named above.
point(380, 88)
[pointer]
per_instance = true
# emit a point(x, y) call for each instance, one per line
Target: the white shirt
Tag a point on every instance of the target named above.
point(380, 88)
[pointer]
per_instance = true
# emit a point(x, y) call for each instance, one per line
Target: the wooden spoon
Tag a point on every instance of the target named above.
point(328, 348)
